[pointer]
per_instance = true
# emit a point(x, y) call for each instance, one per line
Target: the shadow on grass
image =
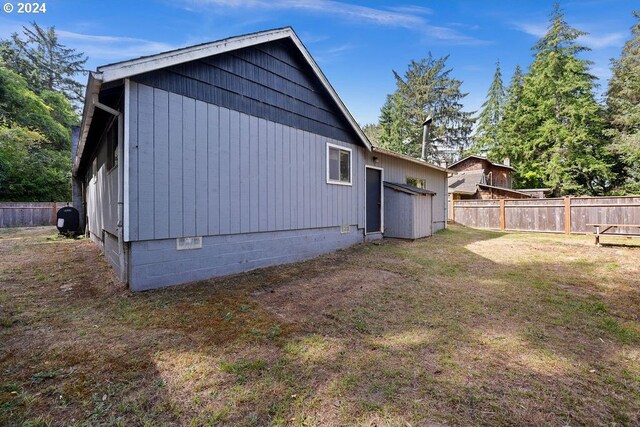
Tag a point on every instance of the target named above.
point(452, 333)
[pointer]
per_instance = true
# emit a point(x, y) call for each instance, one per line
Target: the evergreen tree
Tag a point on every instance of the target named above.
point(426, 88)
point(486, 135)
point(623, 105)
point(372, 131)
point(38, 56)
point(560, 143)
point(510, 126)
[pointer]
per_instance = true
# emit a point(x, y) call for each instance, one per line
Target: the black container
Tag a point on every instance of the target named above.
point(68, 221)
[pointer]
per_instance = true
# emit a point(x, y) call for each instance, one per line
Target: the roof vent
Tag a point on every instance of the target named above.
point(507, 161)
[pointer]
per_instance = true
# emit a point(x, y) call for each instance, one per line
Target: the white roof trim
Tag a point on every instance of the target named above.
point(130, 68)
point(91, 94)
point(411, 159)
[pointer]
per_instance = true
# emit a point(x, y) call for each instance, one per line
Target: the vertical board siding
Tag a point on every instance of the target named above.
point(189, 166)
point(29, 214)
point(225, 174)
point(175, 207)
point(213, 171)
point(245, 174)
point(234, 169)
point(203, 170)
point(548, 215)
point(202, 174)
point(131, 114)
point(146, 160)
point(161, 164)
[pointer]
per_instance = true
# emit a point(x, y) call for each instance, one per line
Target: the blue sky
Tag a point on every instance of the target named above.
point(356, 43)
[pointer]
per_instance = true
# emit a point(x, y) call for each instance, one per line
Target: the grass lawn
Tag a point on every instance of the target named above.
point(465, 328)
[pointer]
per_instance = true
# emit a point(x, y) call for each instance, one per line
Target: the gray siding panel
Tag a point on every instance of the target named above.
point(202, 165)
point(245, 175)
point(225, 172)
point(146, 219)
point(175, 166)
point(213, 164)
point(189, 166)
point(234, 166)
point(254, 177)
point(161, 164)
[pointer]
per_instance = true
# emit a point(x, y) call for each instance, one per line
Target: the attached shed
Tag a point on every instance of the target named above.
point(408, 211)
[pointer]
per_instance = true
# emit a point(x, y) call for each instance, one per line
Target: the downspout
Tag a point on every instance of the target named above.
point(119, 116)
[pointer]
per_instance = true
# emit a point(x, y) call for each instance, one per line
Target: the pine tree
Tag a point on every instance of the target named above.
point(561, 142)
point(38, 56)
point(426, 88)
point(486, 136)
point(509, 128)
point(623, 105)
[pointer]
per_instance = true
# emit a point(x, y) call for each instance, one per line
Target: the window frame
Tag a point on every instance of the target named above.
point(339, 148)
point(424, 182)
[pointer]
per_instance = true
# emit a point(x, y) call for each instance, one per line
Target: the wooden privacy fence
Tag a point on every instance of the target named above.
point(556, 215)
point(29, 214)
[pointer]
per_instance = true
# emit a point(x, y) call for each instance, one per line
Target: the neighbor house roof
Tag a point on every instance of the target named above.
point(499, 165)
point(125, 69)
point(466, 182)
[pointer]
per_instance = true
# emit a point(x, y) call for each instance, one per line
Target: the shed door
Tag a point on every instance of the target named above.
point(374, 201)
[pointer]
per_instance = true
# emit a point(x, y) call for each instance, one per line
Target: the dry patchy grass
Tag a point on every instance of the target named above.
point(465, 328)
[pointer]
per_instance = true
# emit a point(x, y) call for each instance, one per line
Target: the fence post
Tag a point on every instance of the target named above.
point(567, 215)
point(502, 217)
point(55, 214)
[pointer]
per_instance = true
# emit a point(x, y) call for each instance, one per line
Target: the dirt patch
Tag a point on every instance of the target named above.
point(315, 297)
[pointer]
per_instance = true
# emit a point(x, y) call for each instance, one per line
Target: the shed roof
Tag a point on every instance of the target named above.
point(409, 189)
point(124, 69)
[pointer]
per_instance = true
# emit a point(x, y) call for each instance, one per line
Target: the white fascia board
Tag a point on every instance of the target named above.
point(133, 67)
point(93, 89)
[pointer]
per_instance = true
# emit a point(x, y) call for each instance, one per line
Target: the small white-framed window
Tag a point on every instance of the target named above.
point(417, 182)
point(339, 162)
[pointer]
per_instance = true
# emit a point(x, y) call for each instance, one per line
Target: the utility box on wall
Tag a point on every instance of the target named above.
point(407, 211)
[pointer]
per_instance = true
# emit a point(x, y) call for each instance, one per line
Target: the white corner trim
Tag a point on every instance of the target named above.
point(125, 162)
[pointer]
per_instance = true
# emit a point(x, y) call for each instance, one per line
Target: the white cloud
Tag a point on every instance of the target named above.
point(409, 17)
point(533, 29)
point(602, 41)
point(592, 40)
point(111, 48)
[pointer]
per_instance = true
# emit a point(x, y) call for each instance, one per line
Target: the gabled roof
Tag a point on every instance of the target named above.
point(473, 156)
point(129, 68)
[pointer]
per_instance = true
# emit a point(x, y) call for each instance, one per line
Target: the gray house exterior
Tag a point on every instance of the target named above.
point(229, 156)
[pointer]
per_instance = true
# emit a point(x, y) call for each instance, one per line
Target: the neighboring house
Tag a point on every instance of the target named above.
point(233, 155)
point(477, 177)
